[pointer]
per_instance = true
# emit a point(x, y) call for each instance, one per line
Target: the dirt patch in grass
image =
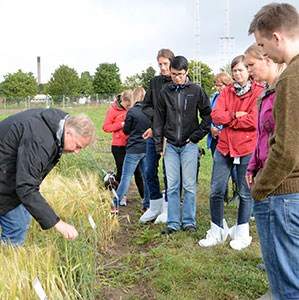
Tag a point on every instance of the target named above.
point(123, 258)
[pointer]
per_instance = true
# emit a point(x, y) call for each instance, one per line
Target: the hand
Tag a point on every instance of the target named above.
point(67, 230)
point(214, 132)
point(250, 180)
point(239, 114)
point(148, 134)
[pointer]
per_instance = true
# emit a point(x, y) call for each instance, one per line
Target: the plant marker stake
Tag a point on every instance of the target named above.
point(39, 289)
point(91, 221)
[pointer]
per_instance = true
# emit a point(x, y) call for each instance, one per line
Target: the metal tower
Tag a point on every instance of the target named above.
point(226, 42)
point(197, 64)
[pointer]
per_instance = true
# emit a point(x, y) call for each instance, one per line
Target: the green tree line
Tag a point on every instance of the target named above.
point(65, 81)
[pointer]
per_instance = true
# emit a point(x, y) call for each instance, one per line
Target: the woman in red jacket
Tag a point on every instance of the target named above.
point(114, 122)
point(236, 110)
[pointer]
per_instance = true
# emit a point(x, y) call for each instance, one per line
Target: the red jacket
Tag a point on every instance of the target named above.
point(238, 135)
point(113, 123)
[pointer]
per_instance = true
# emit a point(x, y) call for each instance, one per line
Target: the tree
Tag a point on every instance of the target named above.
point(19, 85)
point(64, 81)
point(146, 77)
point(107, 79)
point(132, 82)
point(86, 84)
point(207, 77)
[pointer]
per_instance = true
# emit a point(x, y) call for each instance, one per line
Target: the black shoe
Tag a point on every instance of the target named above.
point(168, 230)
point(190, 228)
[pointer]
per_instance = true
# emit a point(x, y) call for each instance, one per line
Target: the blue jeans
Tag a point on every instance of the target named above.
point(278, 229)
point(184, 157)
point(14, 225)
point(222, 167)
point(152, 163)
point(130, 164)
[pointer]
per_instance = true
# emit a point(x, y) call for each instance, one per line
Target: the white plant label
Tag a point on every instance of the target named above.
point(39, 289)
point(114, 193)
point(91, 221)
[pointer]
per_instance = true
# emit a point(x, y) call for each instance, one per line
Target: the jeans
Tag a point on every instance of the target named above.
point(278, 229)
point(152, 163)
point(184, 157)
point(222, 167)
point(130, 164)
point(119, 153)
point(14, 225)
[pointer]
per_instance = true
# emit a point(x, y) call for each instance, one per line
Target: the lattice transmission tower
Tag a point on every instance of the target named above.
point(226, 42)
point(197, 63)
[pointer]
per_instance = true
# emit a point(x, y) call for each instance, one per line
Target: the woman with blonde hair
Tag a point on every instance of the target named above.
point(136, 123)
point(114, 123)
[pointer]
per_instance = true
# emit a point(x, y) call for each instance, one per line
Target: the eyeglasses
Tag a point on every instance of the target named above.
point(178, 74)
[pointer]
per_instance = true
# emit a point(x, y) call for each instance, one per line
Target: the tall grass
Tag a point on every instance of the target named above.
point(66, 269)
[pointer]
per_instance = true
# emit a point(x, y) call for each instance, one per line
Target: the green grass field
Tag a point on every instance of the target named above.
point(137, 262)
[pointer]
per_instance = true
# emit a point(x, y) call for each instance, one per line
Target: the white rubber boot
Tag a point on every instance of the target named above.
point(240, 236)
point(162, 218)
point(215, 235)
point(153, 211)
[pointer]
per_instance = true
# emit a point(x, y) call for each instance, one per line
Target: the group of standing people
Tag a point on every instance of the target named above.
point(253, 127)
point(252, 138)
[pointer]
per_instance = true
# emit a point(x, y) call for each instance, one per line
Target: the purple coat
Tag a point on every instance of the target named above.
point(265, 129)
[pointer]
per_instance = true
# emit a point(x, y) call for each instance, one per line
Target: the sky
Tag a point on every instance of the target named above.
point(85, 33)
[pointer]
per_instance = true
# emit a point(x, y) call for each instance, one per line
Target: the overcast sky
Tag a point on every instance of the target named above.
point(84, 33)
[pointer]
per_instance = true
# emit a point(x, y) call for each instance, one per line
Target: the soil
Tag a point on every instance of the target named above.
point(124, 244)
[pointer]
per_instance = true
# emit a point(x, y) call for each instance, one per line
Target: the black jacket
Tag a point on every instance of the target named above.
point(31, 143)
point(176, 116)
point(136, 124)
point(151, 97)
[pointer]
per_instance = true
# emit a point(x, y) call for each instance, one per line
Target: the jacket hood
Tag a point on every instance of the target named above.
point(117, 106)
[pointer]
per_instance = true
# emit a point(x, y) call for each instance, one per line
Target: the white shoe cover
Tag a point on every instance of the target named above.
point(215, 235)
point(162, 218)
point(240, 236)
point(153, 211)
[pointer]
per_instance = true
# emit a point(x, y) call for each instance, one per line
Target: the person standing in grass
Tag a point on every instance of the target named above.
point(236, 110)
point(114, 123)
point(136, 123)
point(158, 203)
point(31, 144)
point(263, 69)
point(221, 80)
point(177, 124)
point(275, 188)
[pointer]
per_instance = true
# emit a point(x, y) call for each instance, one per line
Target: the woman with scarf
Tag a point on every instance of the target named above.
point(236, 110)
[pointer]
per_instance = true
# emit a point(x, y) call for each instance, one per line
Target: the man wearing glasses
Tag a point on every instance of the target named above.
point(176, 120)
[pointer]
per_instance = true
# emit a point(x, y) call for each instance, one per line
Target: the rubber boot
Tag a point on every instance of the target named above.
point(215, 235)
point(240, 236)
point(153, 211)
point(162, 218)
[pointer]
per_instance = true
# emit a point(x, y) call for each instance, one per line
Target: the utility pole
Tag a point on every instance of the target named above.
point(226, 42)
point(197, 64)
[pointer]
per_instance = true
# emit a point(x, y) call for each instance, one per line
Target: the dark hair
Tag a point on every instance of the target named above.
point(179, 63)
point(276, 17)
point(236, 60)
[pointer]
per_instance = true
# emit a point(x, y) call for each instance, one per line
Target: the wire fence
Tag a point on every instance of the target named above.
point(58, 101)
